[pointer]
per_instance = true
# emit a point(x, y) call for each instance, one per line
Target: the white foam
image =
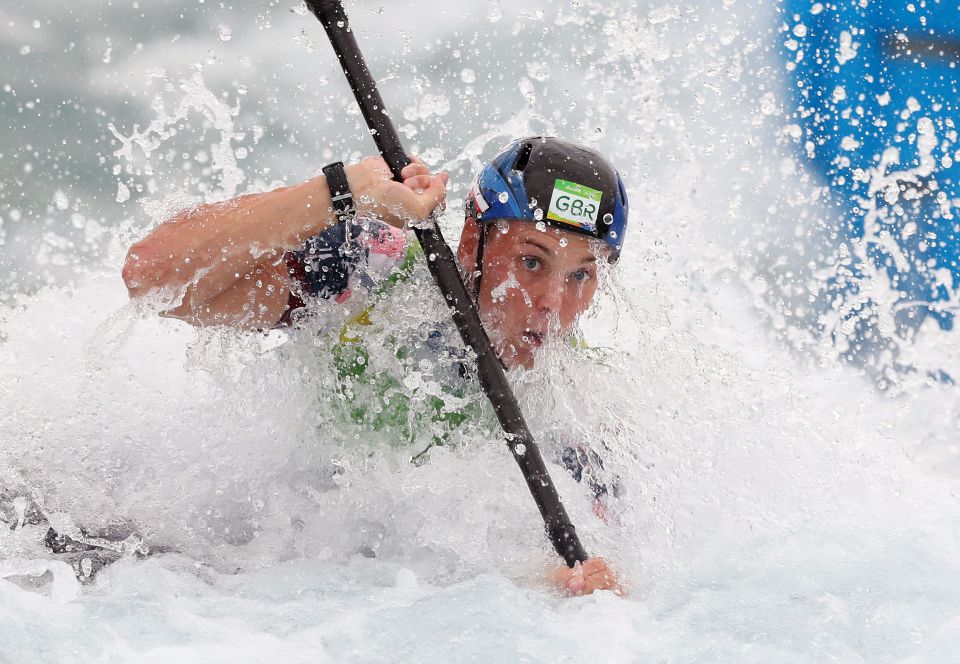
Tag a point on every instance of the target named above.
point(775, 508)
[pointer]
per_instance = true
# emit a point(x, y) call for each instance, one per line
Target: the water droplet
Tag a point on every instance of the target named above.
point(563, 242)
point(431, 105)
point(86, 567)
point(538, 71)
point(608, 218)
point(503, 197)
point(538, 214)
point(768, 103)
point(613, 235)
point(542, 227)
point(468, 75)
point(226, 34)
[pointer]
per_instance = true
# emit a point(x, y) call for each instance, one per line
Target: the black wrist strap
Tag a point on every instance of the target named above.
point(339, 191)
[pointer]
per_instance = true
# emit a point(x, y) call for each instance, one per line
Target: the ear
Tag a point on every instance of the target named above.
point(469, 240)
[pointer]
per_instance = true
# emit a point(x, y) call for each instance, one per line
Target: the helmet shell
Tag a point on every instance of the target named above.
point(562, 184)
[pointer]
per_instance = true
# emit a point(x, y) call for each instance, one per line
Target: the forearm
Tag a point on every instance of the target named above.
point(222, 264)
point(203, 252)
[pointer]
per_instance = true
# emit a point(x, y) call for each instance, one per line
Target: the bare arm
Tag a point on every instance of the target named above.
point(227, 258)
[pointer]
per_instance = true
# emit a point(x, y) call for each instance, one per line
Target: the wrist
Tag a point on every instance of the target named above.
point(312, 198)
point(341, 195)
point(357, 181)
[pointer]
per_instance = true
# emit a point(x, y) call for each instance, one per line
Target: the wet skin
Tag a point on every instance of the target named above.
point(535, 284)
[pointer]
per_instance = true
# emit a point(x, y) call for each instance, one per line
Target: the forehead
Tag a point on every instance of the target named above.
point(521, 234)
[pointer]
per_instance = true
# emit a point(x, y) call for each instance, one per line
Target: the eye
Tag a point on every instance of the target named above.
point(581, 275)
point(531, 263)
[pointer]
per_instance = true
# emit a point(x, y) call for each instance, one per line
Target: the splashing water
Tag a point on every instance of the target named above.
point(135, 154)
point(771, 508)
point(878, 126)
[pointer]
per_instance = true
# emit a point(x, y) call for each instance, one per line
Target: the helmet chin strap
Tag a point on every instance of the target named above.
point(478, 276)
point(478, 268)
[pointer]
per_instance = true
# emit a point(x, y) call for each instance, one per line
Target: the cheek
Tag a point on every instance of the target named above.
point(500, 312)
point(579, 299)
point(517, 307)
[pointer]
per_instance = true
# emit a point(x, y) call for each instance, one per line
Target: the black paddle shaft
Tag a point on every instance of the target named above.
point(444, 270)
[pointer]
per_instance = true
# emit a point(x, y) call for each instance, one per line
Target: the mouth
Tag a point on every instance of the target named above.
point(535, 339)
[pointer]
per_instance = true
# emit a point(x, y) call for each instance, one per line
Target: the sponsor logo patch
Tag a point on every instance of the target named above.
point(575, 205)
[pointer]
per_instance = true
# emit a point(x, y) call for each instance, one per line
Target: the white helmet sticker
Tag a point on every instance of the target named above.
point(575, 205)
point(481, 203)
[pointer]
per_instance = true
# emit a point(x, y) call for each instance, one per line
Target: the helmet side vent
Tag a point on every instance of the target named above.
point(523, 156)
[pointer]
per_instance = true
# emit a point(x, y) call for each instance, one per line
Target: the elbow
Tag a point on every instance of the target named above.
point(137, 272)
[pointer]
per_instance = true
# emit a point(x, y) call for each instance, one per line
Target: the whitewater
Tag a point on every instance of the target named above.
point(777, 504)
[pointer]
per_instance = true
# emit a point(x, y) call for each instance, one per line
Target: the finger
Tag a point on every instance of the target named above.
point(602, 579)
point(414, 199)
point(439, 181)
point(593, 565)
point(594, 584)
point(600, 576)
point(413, 169)
point(570, 580)
point(416, 163)
point(559, 574)
point(576, 584)
point(431, 195)
point(418, 182)
point(438, 184)
point(436, 194)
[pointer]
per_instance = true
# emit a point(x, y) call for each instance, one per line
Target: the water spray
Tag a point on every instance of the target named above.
point(440, 260)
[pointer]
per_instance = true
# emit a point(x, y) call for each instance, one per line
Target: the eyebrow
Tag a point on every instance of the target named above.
point(550, 252)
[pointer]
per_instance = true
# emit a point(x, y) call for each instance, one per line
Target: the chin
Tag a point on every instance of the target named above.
point(514, 360)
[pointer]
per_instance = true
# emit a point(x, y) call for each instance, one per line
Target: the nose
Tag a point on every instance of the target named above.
point(549, 298)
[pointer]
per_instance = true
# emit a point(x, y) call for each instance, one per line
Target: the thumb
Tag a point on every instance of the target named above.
point(569, 579)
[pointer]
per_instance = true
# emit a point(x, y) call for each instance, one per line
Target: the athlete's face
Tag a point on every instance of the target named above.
point(535, 284)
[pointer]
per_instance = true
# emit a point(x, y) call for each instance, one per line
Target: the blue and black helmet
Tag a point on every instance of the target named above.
point(562, 184)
